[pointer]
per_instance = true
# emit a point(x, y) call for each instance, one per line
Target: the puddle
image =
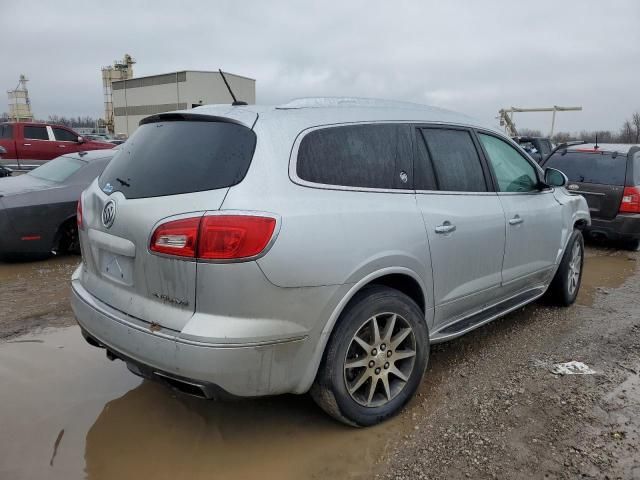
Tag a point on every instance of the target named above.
point(603, 273)
point(35, 294)
point(38, 270)
point(79, 415)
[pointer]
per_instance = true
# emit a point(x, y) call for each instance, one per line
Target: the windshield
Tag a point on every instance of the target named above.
point(174, 157)
point(58, 169)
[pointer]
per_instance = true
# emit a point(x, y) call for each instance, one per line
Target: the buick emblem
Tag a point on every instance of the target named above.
point(108, 188)
point(573, 186)
point(109, 214)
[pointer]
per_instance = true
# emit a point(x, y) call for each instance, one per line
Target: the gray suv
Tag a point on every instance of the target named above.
point(322, 245)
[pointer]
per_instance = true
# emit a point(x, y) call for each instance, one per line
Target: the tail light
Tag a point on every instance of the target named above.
point(178, 237)
point(214, 237)
point(630, 200)
point(79, 214)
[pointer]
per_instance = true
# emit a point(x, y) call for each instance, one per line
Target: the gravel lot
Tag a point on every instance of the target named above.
point(489, 406)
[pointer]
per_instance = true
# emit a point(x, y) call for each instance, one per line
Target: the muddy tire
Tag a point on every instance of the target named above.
point(375, 358)
point(565, 285)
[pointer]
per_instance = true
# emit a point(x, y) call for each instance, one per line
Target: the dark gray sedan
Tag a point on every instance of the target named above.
point(38, 209)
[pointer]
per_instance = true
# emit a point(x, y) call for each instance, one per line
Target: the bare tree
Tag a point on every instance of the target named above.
point(627, 134)
point(561, 137)
point(528, 132)
point(635, 119)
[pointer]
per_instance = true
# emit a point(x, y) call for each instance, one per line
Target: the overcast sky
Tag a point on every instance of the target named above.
point(472, 56)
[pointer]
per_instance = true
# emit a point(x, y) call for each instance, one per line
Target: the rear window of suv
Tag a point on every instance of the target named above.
point(587, 167)
point(175, 157)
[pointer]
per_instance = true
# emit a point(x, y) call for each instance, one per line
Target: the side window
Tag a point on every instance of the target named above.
point(63, 135)
point(513, 172)
point(367, 156)
point(425, 177)
point(35, 133)
point(455, 160)
point(6, 131)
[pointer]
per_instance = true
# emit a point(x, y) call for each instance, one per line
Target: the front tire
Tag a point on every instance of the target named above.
point(565, 285)
point(375, 358)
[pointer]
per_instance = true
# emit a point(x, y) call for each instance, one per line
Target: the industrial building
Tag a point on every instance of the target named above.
point(136, 98)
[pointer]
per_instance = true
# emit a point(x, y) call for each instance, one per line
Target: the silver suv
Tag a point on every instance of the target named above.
point(322, 245)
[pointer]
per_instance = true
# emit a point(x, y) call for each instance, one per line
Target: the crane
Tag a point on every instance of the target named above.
point(505, 115)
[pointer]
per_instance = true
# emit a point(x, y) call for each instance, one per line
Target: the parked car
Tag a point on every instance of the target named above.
point(38, 208)
point(539, 148)
point(608, 176)
point(97, 138)
point(29, 145)
point(322, 245)
point(4, 171)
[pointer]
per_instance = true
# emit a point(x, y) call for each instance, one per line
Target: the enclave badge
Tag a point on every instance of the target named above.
point(109, 214)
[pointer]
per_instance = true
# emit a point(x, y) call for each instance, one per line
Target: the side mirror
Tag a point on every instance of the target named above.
point(555, 178)
point(80, 139)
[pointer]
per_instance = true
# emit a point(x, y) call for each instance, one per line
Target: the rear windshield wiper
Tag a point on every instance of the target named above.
point(123, 183)
point(563, 146)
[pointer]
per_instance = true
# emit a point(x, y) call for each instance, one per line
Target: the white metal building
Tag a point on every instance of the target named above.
point(137, 98)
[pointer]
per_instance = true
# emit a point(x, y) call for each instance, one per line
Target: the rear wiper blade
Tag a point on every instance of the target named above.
point(563, 146)
point(123, 183)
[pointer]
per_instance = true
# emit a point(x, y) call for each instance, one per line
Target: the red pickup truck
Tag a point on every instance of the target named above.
point(29, 145)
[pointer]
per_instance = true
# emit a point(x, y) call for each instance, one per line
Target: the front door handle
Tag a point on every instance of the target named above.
point(62, 146)
point(516, 220)
point(446, 227)
point(26, 144)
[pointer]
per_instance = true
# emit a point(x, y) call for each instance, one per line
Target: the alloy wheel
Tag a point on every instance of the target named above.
point(575, 266)
point(380, 359)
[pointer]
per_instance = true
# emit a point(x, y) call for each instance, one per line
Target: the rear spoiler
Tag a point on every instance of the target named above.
point(192, 117)
point(563, 146)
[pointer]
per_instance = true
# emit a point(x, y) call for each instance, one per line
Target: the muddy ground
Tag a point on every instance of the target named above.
point(489, 406)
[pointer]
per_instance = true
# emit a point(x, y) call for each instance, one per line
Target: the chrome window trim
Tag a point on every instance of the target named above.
point(293, 157)
point(454, 192)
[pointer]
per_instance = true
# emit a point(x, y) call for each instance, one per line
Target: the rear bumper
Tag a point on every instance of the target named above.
point(216, 370)
point(622, 227)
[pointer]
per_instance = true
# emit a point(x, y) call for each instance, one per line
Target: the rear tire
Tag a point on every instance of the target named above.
point(375, 358)
point(565, 285)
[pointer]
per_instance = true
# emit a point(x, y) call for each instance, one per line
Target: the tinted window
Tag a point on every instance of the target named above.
point(425, 177)
point(58, 169)
point(63, 135)
point(35, 133)
point(369, 156)
point(173, 157)
point(513, 172)
point(588, 167)
point(6, 131)
point(455, 160)
point(636, 169)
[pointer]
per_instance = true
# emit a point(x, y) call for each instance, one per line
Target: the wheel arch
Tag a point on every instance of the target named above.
point(400, 278)
point(58, 235)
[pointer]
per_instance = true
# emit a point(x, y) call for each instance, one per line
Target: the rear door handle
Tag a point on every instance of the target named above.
point(26, 144)
point(62, 146)
point(446, 227)
point(516, 220)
